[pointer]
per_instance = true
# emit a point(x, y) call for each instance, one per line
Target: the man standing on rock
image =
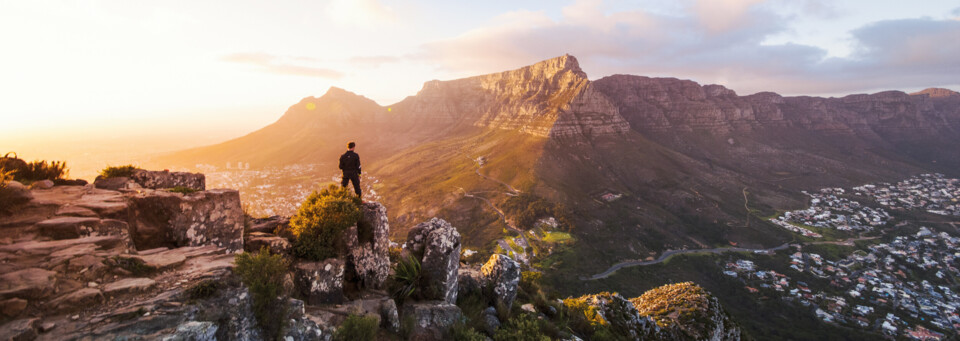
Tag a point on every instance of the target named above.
point(350, 165)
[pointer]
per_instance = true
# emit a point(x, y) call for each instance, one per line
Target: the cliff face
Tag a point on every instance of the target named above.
point(549, 98)
point(660, 104)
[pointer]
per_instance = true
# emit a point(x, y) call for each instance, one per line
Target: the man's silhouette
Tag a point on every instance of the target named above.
point(350, 165)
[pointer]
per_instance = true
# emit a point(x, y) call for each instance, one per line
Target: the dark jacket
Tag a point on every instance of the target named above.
point(350, 162)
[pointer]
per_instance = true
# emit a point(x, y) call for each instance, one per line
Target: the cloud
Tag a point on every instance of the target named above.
point(279, 65)
point(715, 42)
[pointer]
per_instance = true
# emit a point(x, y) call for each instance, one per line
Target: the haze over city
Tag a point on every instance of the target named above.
point(178, 74)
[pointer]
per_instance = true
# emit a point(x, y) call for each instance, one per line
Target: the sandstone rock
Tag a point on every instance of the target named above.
point(115, 183)
point(194, 331)
point(75, 211)
point(162, 218)
point(257, 240)
point(320, 282)
point(269, 225)
point(502, 275)
point(528, 307)
point(12, 307)
point(107, 204)
point(368, 244)
point(42, 184)
point(20, 330)
point(82, 298)
point(17, 193)
point(161, 260)
point(86, 261)
point(431, 319)
point(27, 283)
point(165, 179)
point(127, 285)
point(441, 260)
point(67, 227)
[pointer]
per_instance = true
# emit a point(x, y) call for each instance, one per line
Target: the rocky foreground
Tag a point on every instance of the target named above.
point(151, 256)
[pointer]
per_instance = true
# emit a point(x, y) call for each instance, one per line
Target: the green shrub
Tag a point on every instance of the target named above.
point(118, 171)
point(203, 289)
point(183, 190)
point(527, 208)
point(263, 274)
point(319, 223)
point(357, 328)
point(522, 327)
point(406, 277)
point(28, 172)
point(462, 332)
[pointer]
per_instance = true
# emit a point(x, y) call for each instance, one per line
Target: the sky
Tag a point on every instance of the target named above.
point(197, 72)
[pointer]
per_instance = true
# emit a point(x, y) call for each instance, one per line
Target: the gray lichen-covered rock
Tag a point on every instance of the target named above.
point(320, 282)
point(301, 327)
point(194, 331)
point(469, 281)
point(166, 179)
point(489, 321)
point(437, 244)
point(431, 319)
point(502, 276)
point(161, 218)
point(389, 316)
point(622, 316)
point(119, 183)
point(368, 246)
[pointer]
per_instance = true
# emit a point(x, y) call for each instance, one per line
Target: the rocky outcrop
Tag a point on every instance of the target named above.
point(431, 320)
point(687, 311)
point(320, 282)
point(277, 245)
point(368, 244)
point(147, 179)
point(160, 218)
point(437, 245)
point(15, 193)
point(502, 277)
point(617, 312)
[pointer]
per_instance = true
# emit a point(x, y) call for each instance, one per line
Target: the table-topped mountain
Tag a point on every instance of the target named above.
point(693, 162)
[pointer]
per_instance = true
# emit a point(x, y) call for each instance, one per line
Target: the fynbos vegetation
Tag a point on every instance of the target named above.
point(321, 220)
point(263, 273)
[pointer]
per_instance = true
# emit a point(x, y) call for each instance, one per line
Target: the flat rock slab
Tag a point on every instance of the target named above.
point(77, 299)
point(48, 247)
point(27, 283)
point(128, 285)
point(67, 227)
point(204, 266)
point(25, 329)
point(12, 307)
point(163, 260)
point(75, 211)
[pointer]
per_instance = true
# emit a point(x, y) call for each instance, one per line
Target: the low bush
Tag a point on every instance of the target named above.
point(118, 171)
point(527, 208)
point(263, 274)
point(357, 328)
point(522, 327)
point(462, 332)
point(28, 172)
point(203, 289)
point(406, 276)
point(183, 190)
point(319, 223)
point(6, 197)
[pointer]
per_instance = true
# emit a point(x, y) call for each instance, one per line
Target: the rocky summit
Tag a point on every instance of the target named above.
point(147, 262)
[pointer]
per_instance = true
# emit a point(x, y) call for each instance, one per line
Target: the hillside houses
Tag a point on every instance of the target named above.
point(932, 193)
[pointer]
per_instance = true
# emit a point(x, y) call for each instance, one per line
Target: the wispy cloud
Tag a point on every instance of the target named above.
point(281, 65)
point(711, 44)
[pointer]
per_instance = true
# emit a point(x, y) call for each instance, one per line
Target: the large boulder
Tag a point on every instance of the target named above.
point(165, 219)
point(437, 244)
point(368, 246)
point(502, 276)
point(320, 282)
point(167, 179)
point(431, 319)
point(16, 193)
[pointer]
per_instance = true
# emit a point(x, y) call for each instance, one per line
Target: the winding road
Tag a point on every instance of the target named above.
point(669, 253)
